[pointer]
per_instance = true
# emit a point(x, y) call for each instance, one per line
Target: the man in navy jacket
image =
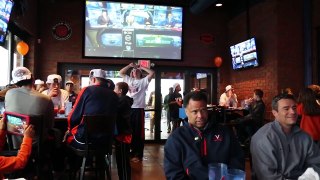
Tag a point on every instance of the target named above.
point(190, 148)
point(97, 98)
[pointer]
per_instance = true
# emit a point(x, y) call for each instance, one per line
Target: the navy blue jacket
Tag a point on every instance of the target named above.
point(92, 100)
point(188, 151)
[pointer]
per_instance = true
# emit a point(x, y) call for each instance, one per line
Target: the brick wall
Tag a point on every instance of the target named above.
point(280, 51)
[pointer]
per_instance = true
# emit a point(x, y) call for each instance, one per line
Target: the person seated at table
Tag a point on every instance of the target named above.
point(228, 98)
point(40, 86)
point(70, 89)
point(58, 96)
point(12, 163)
point(190, 148)
point(250, 123)
point(26, 100)
point(280, 149)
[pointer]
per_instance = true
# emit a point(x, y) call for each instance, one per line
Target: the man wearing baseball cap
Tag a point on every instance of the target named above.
point(69, 88)
point(228, 98)
point(97, 98)
point(58, 96)
point(25, 100)
point(40, 86)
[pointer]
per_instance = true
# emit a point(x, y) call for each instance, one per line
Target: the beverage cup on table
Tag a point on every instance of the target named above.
point(56, 109)
point(236, 174)
point(217, 171)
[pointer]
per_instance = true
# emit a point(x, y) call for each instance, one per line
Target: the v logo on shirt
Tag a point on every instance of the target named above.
point(217, 138)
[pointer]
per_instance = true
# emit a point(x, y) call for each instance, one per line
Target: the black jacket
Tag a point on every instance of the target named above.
point(188, 151)
point(123, 118)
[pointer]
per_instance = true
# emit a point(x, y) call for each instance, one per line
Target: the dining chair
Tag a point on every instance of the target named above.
point(96, 125)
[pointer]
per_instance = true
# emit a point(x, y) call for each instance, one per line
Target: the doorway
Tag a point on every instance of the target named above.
point(189, 78)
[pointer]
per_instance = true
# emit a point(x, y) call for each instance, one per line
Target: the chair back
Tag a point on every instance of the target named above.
point(99, 125)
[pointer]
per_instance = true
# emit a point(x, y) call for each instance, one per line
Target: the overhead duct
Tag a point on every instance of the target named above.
point(197, 6)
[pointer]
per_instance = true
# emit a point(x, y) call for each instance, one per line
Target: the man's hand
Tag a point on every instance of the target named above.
point(29, 131)
point(54, 92)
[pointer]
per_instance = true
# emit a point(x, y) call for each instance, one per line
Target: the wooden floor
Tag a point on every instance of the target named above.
point(152, 165)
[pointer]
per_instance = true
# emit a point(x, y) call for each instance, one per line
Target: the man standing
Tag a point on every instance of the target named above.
point(228, 98)
point(94, 99)
point(166, 107)
point(190, 148)
point(280, 149)
point(175, 102)
point(57, 95)
point(137, 90)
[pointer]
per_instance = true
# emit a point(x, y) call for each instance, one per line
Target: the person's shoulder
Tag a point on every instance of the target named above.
point(265, 131)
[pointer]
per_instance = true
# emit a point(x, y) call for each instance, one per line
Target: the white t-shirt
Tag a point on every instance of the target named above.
point(59, 100)
point(226, 101)
point(137, 90)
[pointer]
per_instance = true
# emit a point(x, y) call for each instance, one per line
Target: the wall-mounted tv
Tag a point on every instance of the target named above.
point(244, 54)
point(132, 30)
point(5, 12)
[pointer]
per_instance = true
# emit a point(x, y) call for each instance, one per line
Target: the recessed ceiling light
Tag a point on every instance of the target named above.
point(218, 4)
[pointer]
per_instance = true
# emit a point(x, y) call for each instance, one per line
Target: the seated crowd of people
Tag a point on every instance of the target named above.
point(286, 148)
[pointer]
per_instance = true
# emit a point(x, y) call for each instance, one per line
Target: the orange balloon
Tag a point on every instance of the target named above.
point(217, 61)
point(22, 48)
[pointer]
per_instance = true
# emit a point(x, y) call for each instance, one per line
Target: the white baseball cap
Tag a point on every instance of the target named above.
point(175, 85)
point(53, 78)
point(20, 73)
point(99, 73)
point(229, 87)
point(69, 82)
point(38, 82)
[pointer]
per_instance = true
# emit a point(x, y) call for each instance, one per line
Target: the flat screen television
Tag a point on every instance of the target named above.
point(244, 54)
point(132, 30)
point(5, 12)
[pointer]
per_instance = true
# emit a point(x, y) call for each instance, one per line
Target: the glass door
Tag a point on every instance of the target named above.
point(156, 122)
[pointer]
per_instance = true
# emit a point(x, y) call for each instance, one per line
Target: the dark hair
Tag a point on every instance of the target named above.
point(124, 87)
point(196, 96)
point(110, 84)
point(24, 82)
point(316, 89)
point(258, 92)
point(308, 99)
point(278, 97)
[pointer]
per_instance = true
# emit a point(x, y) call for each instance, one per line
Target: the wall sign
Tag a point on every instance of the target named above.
point(61, 31)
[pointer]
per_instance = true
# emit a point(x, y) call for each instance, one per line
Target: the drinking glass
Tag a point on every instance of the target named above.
point(217, 171)
point(236, 174)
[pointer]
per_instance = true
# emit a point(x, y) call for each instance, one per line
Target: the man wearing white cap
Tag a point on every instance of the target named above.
point(58, 96)
point(26, 100)
point(97, 98)
point(40, 86)
point(72, 95)
point(228, 98)
point(137, 90)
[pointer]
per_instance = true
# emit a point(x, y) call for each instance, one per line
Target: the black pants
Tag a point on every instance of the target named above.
point(137, 124)
point(123, 161)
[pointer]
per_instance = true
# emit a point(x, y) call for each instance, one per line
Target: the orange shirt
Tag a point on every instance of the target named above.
point(310, 124)
point(9, 164)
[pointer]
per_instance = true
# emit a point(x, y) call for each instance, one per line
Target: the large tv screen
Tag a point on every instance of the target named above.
point(244, 54)
point(132, 30)
point(5, 11)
